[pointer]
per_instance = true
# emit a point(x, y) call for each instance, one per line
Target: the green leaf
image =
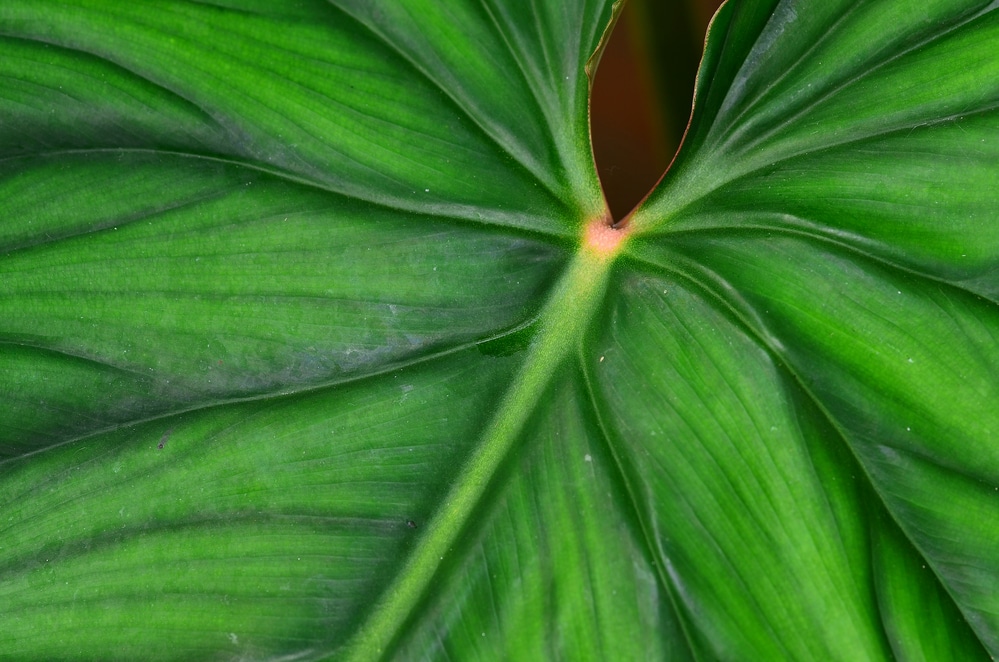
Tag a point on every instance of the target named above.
point(316, 339)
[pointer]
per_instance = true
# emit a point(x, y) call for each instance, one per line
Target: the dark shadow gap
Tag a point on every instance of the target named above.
point(642, 94)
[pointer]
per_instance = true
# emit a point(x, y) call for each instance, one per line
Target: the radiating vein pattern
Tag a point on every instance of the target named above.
point(880, 72)
point(215, 513)
point(835, 201)
point(227, 283)
point(305, 352)
point(304, 92)
point(724, 455)
point(491, 53)
point(266, 268)
point(580, 575)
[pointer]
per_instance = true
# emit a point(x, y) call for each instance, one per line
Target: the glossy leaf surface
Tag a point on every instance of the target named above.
point(315, 341)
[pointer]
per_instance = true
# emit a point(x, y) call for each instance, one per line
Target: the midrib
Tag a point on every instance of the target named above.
point(564, 318)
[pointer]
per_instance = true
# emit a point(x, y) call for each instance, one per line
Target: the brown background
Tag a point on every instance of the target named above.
point(642, 93)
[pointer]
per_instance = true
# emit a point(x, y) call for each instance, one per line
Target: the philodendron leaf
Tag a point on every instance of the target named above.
point(316, 341)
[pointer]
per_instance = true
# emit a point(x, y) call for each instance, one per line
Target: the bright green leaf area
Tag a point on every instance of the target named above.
point(316, 340)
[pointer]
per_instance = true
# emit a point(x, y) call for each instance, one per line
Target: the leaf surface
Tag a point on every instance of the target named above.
point(316, 341)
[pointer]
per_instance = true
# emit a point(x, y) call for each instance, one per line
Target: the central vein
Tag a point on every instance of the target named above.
point(562, 322)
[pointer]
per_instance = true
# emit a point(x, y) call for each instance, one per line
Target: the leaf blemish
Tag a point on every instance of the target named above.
point(164, 438)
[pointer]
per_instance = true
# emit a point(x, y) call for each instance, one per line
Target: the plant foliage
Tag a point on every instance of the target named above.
point(316, 341)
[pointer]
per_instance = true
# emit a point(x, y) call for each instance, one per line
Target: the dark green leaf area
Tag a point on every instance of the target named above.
point(956, 535)
point(317, 97)
point(49, 398)
point(905, 368)
point(223, 282)
point(581, 585)
point(754, 514)
point(273, 523)
point(58, 99)
point(921, 621)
